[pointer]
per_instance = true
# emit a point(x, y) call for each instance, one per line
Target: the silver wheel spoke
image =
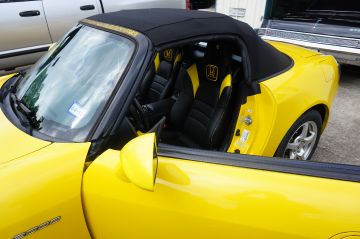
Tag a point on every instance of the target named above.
point(292, 155)
point(304, 131)
point(301, 154)
point(292, 146)
point(308, 140)
point(300, 157)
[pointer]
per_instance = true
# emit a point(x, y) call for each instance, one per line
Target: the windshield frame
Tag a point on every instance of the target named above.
point(11, 115)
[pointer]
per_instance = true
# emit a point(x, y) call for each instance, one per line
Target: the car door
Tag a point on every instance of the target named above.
point(64, 14)
point(207, 194)
point(23, 30)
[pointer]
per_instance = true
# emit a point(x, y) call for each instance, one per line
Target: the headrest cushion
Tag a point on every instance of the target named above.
point(164, 69)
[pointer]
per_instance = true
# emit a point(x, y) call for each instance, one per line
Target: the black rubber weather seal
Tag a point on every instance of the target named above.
point(307, 168)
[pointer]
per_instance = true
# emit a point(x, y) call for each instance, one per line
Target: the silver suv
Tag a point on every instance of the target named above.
point(329, 26)
point(28, 27)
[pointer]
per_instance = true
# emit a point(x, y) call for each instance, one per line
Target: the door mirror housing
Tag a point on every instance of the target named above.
point(139, 161)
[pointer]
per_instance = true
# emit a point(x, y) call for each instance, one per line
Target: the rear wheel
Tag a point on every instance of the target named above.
point(301, 140)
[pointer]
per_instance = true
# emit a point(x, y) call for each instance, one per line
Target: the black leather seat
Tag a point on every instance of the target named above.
point(159, 80)
point(200, 115)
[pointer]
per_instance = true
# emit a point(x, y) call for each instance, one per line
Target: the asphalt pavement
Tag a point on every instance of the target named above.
point(340, 142)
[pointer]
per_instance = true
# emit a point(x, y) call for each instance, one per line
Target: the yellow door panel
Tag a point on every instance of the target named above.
point(202, 200)
point(43, 187)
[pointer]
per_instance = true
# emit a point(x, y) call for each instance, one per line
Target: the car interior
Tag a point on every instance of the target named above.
point(190, 96)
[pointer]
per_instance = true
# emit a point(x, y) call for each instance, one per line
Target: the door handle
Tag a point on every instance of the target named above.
point(32, 13)
point(87, 7)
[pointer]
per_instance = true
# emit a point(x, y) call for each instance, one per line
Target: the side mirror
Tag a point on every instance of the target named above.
point(139, 161)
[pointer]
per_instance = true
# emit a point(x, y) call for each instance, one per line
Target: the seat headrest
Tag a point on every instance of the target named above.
point(169, 55)
point(164, 69)
point(216, 63)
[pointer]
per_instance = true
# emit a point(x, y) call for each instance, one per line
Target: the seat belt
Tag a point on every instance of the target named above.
point(179, 80)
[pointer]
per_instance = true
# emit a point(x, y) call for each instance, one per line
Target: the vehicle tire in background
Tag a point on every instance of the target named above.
point(301, 140)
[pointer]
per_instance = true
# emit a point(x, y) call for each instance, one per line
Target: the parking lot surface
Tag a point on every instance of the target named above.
point(340, 142)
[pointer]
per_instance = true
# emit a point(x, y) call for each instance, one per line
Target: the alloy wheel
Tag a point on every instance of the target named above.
point(302, 142)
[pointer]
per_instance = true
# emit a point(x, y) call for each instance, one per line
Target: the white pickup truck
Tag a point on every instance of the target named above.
point(28, 27)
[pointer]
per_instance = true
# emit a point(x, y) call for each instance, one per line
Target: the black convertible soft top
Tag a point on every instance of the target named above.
point(165, 26)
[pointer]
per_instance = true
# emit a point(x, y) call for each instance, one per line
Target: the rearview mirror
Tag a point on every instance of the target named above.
point(139, 161)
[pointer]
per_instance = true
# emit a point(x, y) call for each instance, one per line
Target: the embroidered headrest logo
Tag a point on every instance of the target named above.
point(212, 72)
point(168, 54)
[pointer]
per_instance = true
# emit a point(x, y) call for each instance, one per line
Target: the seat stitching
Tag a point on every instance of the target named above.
point(156, 91)
point(203, 106)
point(159, 83)
point(194, 119)
point(201, 112)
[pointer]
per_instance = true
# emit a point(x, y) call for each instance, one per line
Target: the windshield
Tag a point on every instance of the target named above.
point(68, 88)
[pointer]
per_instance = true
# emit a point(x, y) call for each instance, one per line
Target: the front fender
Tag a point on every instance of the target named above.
point(44, 186)
point(3, 79)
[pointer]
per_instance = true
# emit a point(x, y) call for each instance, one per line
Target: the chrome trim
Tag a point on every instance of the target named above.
point(314, 45)
point(310, 38)
point(25, 49)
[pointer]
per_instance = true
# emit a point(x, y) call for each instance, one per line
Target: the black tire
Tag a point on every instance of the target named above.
point(311, 115)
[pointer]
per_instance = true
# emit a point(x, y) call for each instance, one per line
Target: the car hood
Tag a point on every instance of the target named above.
point(14, 143)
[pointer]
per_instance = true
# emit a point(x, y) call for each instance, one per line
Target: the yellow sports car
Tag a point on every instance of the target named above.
point(155, 123)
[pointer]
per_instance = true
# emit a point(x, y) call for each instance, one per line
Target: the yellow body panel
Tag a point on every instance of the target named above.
point(139, 163)
point(14, 143)
point(41, 180)
point(312, 81)
point(3, 79)
point(202, 200)
point(41, 186)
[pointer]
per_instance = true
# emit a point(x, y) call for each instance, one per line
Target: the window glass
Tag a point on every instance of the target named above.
point(68, 87)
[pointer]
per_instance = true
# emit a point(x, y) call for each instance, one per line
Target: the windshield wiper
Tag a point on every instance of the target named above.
point(12, 86)
point(26, 116)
